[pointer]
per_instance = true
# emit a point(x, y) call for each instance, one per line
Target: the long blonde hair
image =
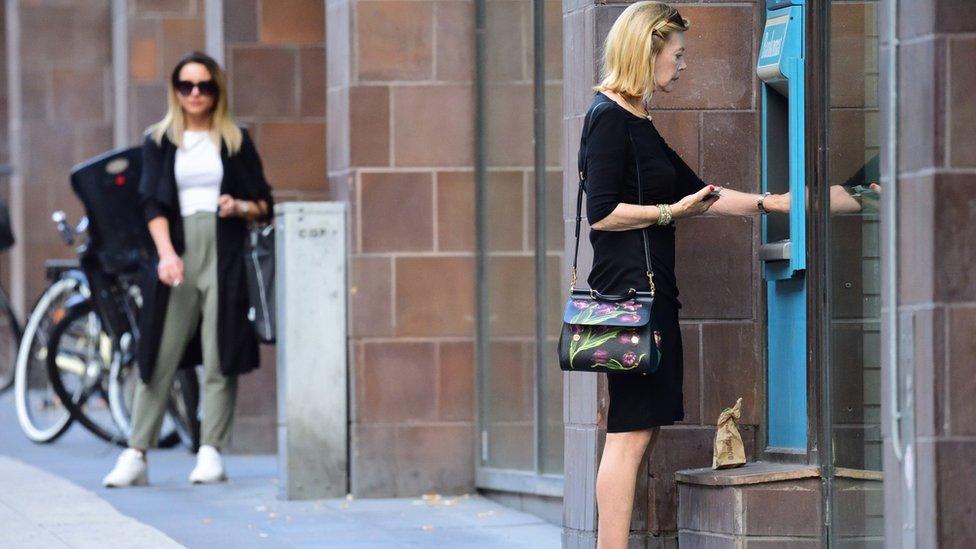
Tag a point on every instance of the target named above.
point(633, 43)
point(222, 125)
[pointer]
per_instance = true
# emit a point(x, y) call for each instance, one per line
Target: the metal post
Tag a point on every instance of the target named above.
point(313, 418)
point(18, 284)
point(214, 29)
point(542, 351)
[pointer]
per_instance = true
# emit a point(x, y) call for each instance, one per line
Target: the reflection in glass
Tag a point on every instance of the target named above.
point(522, 401)
point(855, 275)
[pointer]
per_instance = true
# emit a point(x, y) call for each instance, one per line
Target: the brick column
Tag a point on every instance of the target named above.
point(401, 141)
point(715, 128)
point(928, 494)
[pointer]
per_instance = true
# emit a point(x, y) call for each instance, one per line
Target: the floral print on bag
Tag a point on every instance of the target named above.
point(592, 312)
point(596, 339)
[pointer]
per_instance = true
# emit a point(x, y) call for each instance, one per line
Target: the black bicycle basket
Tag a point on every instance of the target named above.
point(108, 187)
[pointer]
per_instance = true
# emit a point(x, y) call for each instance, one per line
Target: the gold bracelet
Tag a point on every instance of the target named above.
point(664, 214)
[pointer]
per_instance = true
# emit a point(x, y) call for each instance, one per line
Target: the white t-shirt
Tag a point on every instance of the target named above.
point(199, 172)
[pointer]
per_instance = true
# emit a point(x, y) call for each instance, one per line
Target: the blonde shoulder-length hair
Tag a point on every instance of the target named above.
point(222, 125)
point(633, 43)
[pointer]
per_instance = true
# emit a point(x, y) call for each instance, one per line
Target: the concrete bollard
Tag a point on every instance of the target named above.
point(310, 240)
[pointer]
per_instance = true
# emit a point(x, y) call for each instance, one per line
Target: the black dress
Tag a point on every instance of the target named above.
point(617, 144)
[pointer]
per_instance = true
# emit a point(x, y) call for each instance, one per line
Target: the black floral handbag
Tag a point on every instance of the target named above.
point(609, 333)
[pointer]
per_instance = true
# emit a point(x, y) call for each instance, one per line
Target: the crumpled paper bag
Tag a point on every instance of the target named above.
point(729, 451)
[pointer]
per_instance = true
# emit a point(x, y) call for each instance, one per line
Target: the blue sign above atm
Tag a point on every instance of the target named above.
point(772, 42)
point(777, 4)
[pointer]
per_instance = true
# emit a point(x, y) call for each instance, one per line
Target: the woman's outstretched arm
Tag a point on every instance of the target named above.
point(625, 217)
point(737, 203)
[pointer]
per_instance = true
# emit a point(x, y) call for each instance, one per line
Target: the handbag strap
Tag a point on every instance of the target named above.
point(581, 164)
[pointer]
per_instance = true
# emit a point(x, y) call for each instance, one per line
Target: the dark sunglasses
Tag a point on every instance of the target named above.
point(206, 87)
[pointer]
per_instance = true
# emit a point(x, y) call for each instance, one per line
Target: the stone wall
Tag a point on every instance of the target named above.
point(160, 33)
point(65, 90)
point(275, 59)
point(936, 285)
point(401, 144)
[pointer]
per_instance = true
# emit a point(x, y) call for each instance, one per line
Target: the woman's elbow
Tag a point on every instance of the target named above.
point(602, 224)
point(601, 219)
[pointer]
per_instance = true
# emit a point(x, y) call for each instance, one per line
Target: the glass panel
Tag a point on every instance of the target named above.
point(509, 414)
point(522, 412)
point(551, 380)
point(556, 284)
point(855, 276)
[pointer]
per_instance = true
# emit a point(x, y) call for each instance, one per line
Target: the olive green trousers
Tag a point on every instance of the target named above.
point(195, 296)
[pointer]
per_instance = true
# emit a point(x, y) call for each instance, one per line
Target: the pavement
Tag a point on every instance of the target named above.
point(50, 496)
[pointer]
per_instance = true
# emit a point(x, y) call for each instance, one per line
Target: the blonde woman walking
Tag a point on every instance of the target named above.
point(202, 182)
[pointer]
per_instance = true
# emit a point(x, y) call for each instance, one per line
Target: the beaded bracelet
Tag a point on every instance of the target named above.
point(664, 217)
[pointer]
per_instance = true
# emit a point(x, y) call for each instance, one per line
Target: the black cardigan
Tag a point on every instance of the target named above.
point(243, 179)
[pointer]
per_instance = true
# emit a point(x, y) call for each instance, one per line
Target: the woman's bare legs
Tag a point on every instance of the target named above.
point(615, 484)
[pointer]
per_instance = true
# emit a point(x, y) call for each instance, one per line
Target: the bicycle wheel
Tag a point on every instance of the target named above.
point(10, 333)
point(123, 378)
point(78, 362)
point(41, 414)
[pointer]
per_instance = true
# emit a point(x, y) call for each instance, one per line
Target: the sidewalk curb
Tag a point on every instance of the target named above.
point(39, 509)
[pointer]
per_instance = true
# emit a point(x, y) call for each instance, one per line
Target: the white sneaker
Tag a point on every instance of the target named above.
point(209, 467)
point(130, 470)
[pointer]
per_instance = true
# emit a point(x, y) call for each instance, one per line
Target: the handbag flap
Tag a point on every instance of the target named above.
point(591, 312)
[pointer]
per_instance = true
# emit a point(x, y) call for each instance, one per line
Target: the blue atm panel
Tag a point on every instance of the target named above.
point(783, 250)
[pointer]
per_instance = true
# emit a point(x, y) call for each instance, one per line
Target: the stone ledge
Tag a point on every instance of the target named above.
point(757, 472)
point(858, 474)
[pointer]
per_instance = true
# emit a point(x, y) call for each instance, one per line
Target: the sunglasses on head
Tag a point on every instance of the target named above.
point(206, 87)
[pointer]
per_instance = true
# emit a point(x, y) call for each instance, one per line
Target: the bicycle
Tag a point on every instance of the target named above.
point(88, 351)
point(90, 358)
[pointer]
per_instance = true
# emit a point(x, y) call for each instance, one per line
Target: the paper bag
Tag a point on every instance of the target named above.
point(729, 451)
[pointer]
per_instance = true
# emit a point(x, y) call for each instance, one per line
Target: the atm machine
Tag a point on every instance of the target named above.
point(783, 249)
